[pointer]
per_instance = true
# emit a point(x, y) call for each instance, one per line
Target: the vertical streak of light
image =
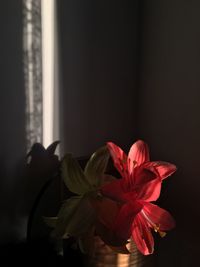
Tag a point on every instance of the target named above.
point(57, 77)
point(134, 259)
point(123, 260)
point(30, 64)
point(47, 10)
point(32, 70)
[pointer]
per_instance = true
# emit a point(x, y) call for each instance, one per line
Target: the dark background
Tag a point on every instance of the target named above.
point(130, 69)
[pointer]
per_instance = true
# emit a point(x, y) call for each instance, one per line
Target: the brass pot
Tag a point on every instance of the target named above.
point(104, 256)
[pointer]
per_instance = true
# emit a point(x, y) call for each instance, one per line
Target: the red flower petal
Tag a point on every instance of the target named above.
point(138, 154)
point(164, 169)
point(159, 216)
point(124, 219)
point(143, 174)
point(142, 236)
point(113, 190)
point(149, 191)
point(119, 158)
point(106, 209)
point(118, 190)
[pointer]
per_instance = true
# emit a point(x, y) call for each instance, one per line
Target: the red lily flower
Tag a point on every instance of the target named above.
point(140, 184)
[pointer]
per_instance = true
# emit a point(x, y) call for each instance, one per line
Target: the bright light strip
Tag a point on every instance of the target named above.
point(123, 260)
point(48, 36)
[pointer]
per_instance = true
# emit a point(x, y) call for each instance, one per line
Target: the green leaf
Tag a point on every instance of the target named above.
point(50, 221)
point(76, 217)
point(96, 166)
point(74, 177)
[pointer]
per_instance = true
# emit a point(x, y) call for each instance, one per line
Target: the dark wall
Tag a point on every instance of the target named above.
point(99, 58)
point(12, 119)
point(169, 116)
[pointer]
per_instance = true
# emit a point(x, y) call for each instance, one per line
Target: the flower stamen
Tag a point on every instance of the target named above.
point(157, 230)
point(153, 225)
